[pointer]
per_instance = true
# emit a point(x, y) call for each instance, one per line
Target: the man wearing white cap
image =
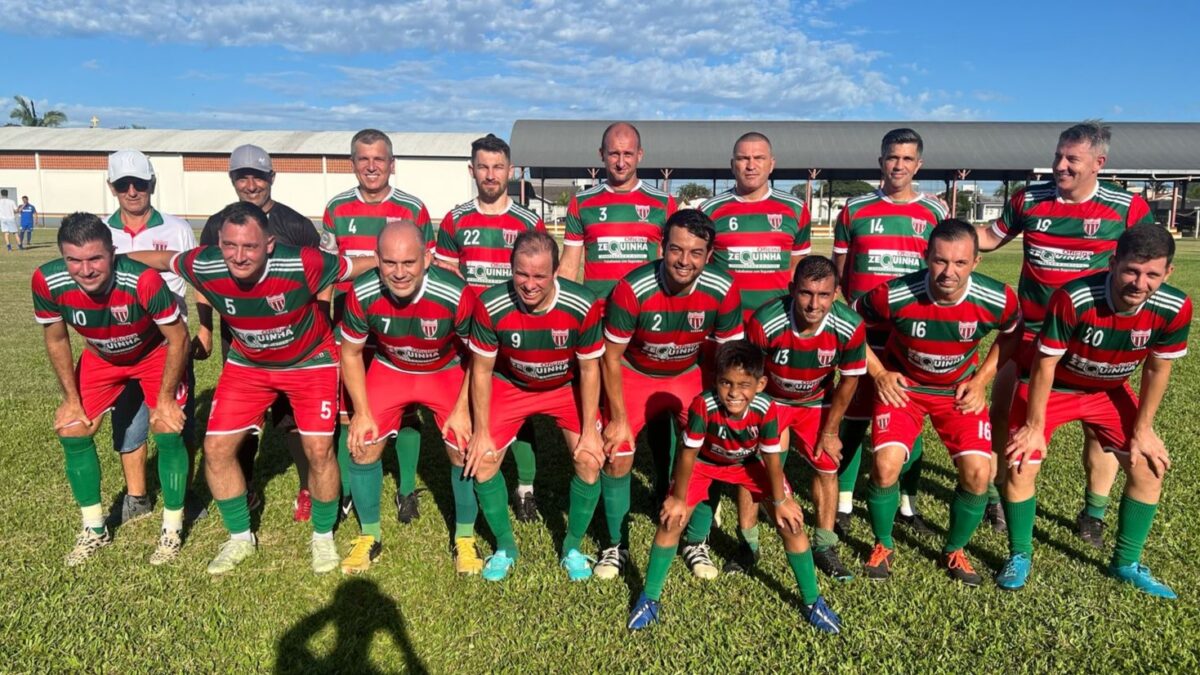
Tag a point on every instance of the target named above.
point(138, 226)
point(253, 176)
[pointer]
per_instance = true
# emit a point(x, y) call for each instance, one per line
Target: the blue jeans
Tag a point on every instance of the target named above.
point(131, 417)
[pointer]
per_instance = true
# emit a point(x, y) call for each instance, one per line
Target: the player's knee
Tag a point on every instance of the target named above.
point(1141, 476)
point(455, 456)
point(619, 466)
point(319, 450)
point(78, 430)
point(974, 477)
point(486, 472)
point(587, 470)
point(369, 455)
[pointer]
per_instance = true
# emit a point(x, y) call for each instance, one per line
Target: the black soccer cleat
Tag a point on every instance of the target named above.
point(525, 509)
point(407, 509)
point(1090, 529)
point(830, 563)
point(742, 562)
point(915, 524)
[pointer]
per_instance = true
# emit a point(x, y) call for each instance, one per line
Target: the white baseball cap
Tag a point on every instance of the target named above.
point(249, 157)
point(129, 164)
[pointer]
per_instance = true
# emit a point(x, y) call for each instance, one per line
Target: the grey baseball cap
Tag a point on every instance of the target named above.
point(129, 164)
point(249, 157)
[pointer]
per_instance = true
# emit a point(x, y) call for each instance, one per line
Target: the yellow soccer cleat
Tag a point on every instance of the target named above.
point(363, 553)
point(466, 556)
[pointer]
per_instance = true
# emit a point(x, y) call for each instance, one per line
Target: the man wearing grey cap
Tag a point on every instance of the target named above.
point(253, 174)
point(137, 226)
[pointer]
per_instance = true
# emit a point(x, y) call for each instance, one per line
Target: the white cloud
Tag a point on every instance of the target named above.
point(90, 64)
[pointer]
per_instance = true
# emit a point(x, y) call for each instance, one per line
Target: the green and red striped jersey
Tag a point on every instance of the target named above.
point(756, 242)
point(1064, 241)
point(883, 239)
point(120, 324)
point(421, 334)
point(350, 225)
point(481, 244)
point(1101, 347)
point(800, 366)
point(618, 230)
point(664, 332)
point(276, 322)
point(937, 346)
point(537, 351)
point(725, 440)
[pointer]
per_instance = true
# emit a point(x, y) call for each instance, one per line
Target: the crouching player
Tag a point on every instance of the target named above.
point(1098, 329)
point(733, 437)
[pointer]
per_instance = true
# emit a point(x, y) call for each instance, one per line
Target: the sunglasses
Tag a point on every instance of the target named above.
point(139, 184)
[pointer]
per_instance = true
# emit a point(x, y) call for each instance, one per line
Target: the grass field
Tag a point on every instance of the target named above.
point(411, 612)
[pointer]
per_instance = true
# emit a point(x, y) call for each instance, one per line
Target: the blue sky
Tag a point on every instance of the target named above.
point(432, 65)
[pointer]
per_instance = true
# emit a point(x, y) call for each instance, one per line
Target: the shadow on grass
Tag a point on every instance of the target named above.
point(357, 612)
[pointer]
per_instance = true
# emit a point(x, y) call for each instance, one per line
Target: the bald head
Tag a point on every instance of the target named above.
point(619, 129)
point(404, 257)
point(620, 152)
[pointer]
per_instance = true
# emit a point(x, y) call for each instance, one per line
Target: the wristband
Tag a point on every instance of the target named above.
point(777, 502)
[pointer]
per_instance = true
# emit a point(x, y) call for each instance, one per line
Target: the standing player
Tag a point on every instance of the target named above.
point(475, 241)
point(8, 219)
point(1070, 227)
point(806, 336)
point(1095, 332)
point(351, 227)
point(931, 368)
point(733, 437)
point(656, 321)
point(420, 318)
point(282, 343)
point(880, 236)
point(537, 343)
point(131, 325)
point(28, 214)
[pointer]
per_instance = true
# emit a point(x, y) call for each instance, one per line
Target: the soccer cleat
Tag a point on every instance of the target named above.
point(1090, 529)
point(699, 561)
point(644, 614)
point(1015, 573)
point(325, 556)
point(611, 563)
point(958, 566)
point(346, 506)
point(577, 565)
point(169, 543)
point(1139, 576)
point(497, 566)
point(466, 556)
point(879, 565)
point(525, 509)
point(232, 552)
point(820, 616)
point(406, 507)
point(841, 524)
point(742, 562)
point(135, 508)
point(916, 524)
point(363, 553)
point(830, 563)
point(302, 506)
point(994, 515)
point(87, 543)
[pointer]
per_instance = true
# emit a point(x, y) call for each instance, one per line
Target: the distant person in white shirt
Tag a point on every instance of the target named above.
point(8, 218)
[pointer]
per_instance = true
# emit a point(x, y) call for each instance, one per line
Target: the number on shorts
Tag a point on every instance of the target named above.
point(985, 430)
point(326, 410)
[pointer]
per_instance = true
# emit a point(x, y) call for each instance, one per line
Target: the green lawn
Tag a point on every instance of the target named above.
point(117, 613)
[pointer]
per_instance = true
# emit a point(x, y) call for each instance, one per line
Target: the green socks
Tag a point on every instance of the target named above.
point(493, 501)
point(910, 473)
point(172, 469)
point(343, 457)
point(750, 536)
point(408, 450)
point(852, 435)
point(656, 570)
point(83, 469)
point(823, 540)
point(993, 494)
point(366, 486)
point(806, 575)
point(522, 453)
point(1020, 517)
point(1134, 519)
point(466, 505)
point(882, 503)
point(324, 514)
point(966, 512)
point(1095, 505)
point(584, 497)
point(616, 507)
point(235, 513)
point(702, 519)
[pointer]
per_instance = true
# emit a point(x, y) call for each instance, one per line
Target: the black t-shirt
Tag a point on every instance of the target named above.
point(289, 228)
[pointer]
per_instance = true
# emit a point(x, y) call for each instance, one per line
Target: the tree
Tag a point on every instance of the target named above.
point(689, 192)
point(26, 115)
point(839, 188)
point(965, 208)
point(564, 198)
point(1012, 188)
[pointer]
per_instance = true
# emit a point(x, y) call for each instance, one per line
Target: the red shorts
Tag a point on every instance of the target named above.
point(862, 406)
point(647, 397)
point(512, 405)
point(962, 434)
point(101, 383)
point(1110, 413)
point(1026, 351)
point(245, 392)
point(390, 391)
point(751, 475)
point(344, 402)
point(804, 424)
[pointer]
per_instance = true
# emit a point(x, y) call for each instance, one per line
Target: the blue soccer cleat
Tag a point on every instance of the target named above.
point(1015, 573)
point(497, 566)
point(577, 565)
point(1139, 576)
point(822, 617)
point(644, 614)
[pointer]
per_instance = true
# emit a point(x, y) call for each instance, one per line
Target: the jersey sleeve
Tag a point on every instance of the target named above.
point(426, 224)
point(447, 246)
point(802, 243)
point(729, 317)
point(484, 340)
point(1011, 220)
point(621, 313)
point(873, 305)
point(45, 309)
point(573, 232)
point(464, 315)
point(1139, 212)
point(1059, 324)
point(1172, 342)
point(154, 294)
point(354, 327)
point(854, 353)
point(841, 232)
point(756, 335)
point(768, 431)
point(323, 269)
point(329, 242)
point(697, 423)
point(539, 226)
point(591, 334)
point(182, 263)
point(1011, 319)
point(672, 206)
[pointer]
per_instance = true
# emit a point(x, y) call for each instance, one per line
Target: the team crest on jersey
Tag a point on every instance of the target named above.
point(775, 220)
point(160, 244)
point(825, 357)
point(392, 220)
point(696, 320)
point(1091, 226)
point(1139, 338)
point(560, 337)
point(277, 302)
point(919, 226)
point(121, 313)
point(510, 237)
point(966, 330)
point(429, 328)
point(882, 421)
point(643, 211)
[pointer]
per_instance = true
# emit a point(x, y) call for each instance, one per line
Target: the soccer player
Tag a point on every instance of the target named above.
point(805, 337)
point(420, 318)
point(931, 368)
point(28, 213)
point(133, 334)
point(1070, 227)
point(537, 343)
point(475, 241)
point(267, 293)
point(351, 226)
point(1095, 332)
point(733, 437)
point(880, 236)
point(656, 320)
point(253, 176)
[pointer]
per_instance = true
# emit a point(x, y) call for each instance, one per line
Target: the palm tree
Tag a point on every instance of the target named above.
point(26, 115)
